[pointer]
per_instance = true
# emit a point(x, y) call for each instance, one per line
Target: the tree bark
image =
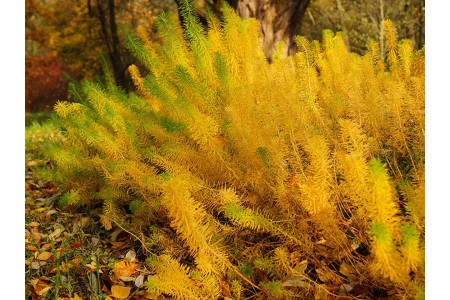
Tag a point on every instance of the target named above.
point(280, 19)
point(107, 17)
point(342, 20)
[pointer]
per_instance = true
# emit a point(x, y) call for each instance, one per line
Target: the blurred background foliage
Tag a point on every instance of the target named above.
point(65, 39)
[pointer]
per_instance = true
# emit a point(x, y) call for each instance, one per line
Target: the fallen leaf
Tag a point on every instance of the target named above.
point(31, 248)
point(44, 290)
point(127, 278)
point(225, 287)
point(116, 245)
point(76, 297)
point(51, 212)
point(120, 292)
point(44, 255)
point(347, 288)
point(40, 287)
point(62, 268)
point(93, 267)
point(139, 281)
point(131, 255)
point(321, 292)
point(37, 264)
point(75, 262)
point(85, 222)
point(94, 241)
point(34, 224)
point(108, 298)
point(75, 245)
point(295, 281)
point(326, 275)
point(55, 234)
point(124, 268)
point(46, 247)
point(346, 270)
point(115, 234)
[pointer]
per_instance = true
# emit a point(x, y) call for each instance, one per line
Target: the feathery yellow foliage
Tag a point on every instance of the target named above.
point(237, 163)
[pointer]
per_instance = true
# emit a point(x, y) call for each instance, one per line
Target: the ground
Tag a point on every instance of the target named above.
point(70, 254)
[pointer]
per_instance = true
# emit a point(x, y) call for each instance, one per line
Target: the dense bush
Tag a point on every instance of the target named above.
point(300, 177)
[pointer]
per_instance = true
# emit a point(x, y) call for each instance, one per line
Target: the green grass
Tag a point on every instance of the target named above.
point(40, 117)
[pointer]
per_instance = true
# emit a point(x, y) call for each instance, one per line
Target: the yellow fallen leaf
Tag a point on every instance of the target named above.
point(120, 292)
point(46, 247)
point(55, 234)
point(44, 255)
point(108, 298)
point(40, 287)
point(31, 248)
point(76, 297)
point(75, 262)
point(34, 224)
point(44, 290)
point(62, 268)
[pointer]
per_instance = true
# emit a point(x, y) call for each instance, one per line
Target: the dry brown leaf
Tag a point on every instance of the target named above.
point(35, 265)
point(44, 255)
point(116, 245)
point(346, 270)
point(225, 287)
point(115, 234)
point(120, 292)
point(328, 276)
point(321, 292)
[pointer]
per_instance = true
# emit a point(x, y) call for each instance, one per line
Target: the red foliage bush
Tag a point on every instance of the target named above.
point(44, 82)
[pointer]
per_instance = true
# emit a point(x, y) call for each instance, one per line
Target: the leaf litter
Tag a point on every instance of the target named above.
point(73, 255)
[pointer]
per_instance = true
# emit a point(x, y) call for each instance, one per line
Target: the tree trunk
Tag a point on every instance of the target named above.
point(107, 16)
point(381, 5)
point(342, 20)
point(280, 21)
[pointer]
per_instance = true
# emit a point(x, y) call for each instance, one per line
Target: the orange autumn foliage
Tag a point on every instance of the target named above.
point(44, 82)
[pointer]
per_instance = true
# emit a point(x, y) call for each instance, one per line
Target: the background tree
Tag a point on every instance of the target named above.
point(79, 31)
point(280, 19)
point(360, 20)
point(76, 32)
